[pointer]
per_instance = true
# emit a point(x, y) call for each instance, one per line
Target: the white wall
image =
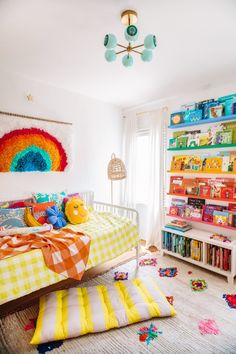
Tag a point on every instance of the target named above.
point(97, 133)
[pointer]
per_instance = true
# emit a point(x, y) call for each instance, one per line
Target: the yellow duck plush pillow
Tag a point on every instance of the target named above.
point(76, 212)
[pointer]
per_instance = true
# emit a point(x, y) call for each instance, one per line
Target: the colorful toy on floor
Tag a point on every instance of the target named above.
point(120, 276)
point(148, 334)
point(170, 299)
point(168, 272)
point(190, 272)
point(208, 327)
point(231, 300)
point(198, 284)
point(48, 347)
point(148, 262)
point(31, 324)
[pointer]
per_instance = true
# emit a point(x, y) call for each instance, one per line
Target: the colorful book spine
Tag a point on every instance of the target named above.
point(218, 257)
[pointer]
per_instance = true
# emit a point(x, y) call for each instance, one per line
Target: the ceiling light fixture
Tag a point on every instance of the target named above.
point(129, 18)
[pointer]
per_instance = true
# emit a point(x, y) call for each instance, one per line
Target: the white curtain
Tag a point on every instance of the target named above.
point(129, 157)
point(154, 123)
point(156, 175)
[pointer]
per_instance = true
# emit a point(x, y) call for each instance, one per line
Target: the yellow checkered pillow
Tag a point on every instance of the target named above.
point(77, 311)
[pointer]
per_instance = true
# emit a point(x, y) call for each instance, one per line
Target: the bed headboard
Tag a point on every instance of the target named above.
point(88, 197)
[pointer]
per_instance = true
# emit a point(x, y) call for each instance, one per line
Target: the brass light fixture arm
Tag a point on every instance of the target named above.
point(121, 51)
point(138, 46)
point(129, 48)
point(133, 50)
point(120, 45)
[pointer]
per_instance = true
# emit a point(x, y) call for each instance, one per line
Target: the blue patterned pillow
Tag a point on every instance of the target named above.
point(11, 218)
point(50, 197)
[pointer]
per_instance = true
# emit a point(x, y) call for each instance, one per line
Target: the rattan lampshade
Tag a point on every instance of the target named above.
point(116, 169)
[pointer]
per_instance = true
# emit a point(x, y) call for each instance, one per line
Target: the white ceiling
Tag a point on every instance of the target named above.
point(60, 42)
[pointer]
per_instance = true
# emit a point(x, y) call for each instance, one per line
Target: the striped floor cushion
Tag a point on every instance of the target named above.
point(77, 311)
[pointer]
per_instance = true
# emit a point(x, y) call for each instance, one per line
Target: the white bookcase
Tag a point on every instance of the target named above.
point(200, 231)
point(204, 237)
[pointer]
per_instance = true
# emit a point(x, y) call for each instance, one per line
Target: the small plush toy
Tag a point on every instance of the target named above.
point(208, 327)
point(147, 334)
point(170, 299)
point(148, 261)
point(31, 324)
point(48, 347)
point(230, 299)
point(168, 272)
point(198, 284)
point(56, 217)
point(76, 212)
point(120, 276)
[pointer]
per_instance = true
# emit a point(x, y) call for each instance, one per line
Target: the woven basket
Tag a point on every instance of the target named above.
point(116, 169)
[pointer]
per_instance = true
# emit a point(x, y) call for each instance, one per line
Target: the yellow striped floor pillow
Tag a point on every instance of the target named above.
point(77, 311)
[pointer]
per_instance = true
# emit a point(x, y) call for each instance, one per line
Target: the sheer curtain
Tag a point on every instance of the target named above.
point(154, 123)
point(130, 158)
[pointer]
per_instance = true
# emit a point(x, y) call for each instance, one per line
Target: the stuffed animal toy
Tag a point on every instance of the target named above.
point(56, 217)
point(76, 212)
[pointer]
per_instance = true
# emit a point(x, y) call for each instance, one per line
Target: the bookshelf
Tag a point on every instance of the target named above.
point(203, 172)
point(204, 238)
point(200, 197)
point(201, 230)
point(218, 146)
point(228, 118)
point(202, 222)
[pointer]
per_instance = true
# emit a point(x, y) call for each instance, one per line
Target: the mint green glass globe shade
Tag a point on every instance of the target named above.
point(131, 33)
point(146, 55)
point(110, 41)
point(127, 60)
point(110, 55)
point(150, 41)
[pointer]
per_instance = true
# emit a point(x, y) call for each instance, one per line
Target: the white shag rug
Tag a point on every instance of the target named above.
point(180, 334)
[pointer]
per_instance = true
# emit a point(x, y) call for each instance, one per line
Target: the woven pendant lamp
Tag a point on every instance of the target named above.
point(116, 171)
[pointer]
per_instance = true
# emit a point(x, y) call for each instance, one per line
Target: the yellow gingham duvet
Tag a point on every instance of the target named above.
point(111, 236)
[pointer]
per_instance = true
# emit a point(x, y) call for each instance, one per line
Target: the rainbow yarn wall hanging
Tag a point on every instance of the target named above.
point(32, 149)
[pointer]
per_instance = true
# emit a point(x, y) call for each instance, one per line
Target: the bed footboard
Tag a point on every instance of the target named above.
point(129, 213)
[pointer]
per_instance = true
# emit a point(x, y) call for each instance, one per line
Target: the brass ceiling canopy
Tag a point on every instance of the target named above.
point(129, 17)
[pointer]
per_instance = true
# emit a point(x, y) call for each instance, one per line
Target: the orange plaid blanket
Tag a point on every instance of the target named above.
point(65, 252)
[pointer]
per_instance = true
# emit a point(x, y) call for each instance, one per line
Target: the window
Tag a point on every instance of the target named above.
point(142, 166)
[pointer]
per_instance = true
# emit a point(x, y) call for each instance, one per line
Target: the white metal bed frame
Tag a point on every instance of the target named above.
point(129, 213)
point(132, 214)
point(32, 298)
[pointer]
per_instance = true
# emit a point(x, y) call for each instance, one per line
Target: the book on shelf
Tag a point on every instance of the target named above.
point(219, 257)
point(213, 188)
point(196, 210)
point(184, 246)
point(179, 225)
